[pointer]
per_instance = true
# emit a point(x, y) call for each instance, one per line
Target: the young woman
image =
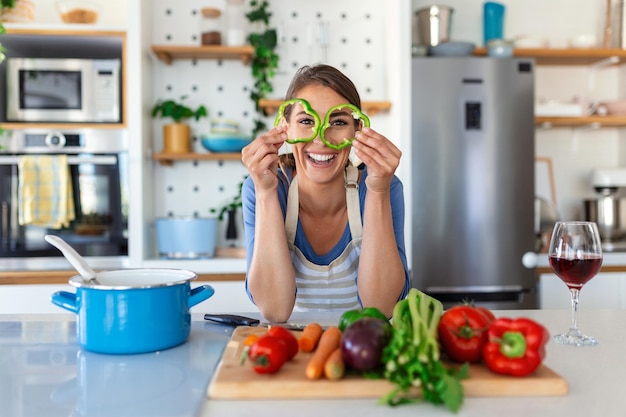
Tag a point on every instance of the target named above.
point(322, 234)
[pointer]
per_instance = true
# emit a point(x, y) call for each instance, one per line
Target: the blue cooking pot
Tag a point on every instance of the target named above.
point(133, 310)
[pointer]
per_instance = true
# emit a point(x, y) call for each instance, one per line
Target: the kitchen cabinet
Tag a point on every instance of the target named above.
point(35, 298)
point(606, 290)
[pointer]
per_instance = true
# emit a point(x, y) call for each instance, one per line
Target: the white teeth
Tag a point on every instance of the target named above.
point(321, 157)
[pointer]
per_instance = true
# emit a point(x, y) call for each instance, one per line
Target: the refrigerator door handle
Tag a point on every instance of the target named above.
point(530, 260)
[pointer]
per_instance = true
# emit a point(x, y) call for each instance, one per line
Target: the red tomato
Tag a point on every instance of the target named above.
point(463, 333)
point(288, 337)
point(488, 313)
point(269, 353)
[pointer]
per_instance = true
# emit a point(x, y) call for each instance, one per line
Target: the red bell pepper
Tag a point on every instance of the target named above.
point(269, 354)
point(516, 346)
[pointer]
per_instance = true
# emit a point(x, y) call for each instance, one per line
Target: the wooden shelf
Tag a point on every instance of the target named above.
point(61, 126)
point(170, 158)
point(591, 121)
point(371, 108)
point(566, 56)
point(61, 30)
point(169, 53)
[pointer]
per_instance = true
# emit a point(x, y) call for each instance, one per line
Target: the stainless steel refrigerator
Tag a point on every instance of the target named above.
point(472, 159)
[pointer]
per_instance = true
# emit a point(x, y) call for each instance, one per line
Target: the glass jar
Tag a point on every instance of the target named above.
point(236, 23)
point(211, 26)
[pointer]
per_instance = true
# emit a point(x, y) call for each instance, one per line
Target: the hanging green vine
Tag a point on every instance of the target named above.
point(265, 60)
point(5, 5)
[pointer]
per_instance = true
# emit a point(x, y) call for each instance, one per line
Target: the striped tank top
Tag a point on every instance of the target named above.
point(327, 287)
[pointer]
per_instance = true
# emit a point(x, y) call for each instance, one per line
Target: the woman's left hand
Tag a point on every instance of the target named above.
point(380, 156)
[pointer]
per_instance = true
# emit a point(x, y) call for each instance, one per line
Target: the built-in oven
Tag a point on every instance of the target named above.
point(97, 162)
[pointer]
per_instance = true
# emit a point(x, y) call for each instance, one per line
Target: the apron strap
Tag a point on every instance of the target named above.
point(291, 217)
point(352, 200)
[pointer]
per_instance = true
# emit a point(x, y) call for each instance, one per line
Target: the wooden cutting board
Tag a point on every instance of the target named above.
point(235, 381)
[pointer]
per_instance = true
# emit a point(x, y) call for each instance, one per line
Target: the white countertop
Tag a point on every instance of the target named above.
point(44, 373)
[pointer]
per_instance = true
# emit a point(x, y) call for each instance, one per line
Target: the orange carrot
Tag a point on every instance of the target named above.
point(310, 337)
point(329, 341)
point(335, 367)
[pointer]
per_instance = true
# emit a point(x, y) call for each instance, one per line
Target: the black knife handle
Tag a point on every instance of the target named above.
point(232, 319)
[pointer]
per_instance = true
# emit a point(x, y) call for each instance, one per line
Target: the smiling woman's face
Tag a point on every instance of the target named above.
point(313, 159)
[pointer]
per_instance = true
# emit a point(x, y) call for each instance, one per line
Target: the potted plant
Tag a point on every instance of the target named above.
point(177, 135)
point(230, 209)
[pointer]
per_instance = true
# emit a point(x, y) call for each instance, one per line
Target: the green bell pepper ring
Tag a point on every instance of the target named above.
point(308, 110)
point(357, 114)
point(350, 316)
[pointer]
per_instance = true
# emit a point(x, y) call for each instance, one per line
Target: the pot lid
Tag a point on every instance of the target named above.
point(123, 279)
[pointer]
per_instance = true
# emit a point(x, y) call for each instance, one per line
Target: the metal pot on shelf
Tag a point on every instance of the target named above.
point(609, 212)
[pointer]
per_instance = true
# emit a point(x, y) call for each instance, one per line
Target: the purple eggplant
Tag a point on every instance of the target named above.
point(363, 341)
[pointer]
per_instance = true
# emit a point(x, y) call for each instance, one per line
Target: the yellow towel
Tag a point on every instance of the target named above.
point(45, 191)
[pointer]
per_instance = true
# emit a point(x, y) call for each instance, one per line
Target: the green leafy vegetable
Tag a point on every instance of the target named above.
point(412, 357)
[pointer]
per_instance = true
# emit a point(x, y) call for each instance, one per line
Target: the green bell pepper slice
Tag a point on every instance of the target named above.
point(308, 110)
point(357, 114)
point(350, 316)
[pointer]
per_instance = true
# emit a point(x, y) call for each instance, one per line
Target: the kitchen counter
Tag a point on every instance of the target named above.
point(44, 373)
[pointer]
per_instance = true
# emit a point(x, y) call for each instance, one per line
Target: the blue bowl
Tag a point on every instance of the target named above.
point(225, 143)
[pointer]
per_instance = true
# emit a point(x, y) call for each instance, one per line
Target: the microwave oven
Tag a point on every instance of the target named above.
point(63, 90)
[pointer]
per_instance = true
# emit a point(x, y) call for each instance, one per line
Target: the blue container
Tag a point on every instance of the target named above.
point(134, 310)
point(186, 237)
point(493, 21)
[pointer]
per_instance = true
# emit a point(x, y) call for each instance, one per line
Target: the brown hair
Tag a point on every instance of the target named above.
point(326, 76)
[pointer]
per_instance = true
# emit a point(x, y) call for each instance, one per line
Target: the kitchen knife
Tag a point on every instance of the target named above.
point(232, 319)
point(237, 320)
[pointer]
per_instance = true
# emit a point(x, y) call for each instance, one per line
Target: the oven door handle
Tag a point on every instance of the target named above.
point(72, 160)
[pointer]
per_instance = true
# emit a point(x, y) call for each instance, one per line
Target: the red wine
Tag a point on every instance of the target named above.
point(576, 272)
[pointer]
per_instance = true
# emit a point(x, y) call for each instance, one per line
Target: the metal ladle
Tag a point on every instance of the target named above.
point(77, 261)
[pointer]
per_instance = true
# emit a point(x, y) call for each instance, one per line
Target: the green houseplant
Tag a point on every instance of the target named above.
point(177, 135)
point(4, 5)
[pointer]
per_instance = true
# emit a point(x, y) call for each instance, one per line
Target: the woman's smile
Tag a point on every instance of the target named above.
point(321, 158)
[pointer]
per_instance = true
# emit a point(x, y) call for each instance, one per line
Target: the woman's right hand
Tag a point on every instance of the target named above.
point(260, 157)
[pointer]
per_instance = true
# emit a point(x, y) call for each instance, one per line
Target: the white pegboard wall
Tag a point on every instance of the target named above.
point(349, 35)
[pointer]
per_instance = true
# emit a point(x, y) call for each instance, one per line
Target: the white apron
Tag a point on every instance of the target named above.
point(327, 287)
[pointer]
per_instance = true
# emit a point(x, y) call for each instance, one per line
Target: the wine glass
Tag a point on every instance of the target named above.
point(575, 256)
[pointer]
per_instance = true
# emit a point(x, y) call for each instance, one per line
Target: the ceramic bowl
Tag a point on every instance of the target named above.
point(616, 108)
point(224, 143)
